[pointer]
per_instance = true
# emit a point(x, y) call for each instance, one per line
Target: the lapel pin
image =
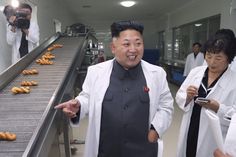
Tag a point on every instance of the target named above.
point(146, 89)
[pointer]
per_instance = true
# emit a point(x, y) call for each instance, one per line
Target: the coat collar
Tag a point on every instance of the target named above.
point(222, 82)
point(121, 73)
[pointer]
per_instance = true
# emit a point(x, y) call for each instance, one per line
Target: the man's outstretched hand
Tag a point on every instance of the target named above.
point(70, 108)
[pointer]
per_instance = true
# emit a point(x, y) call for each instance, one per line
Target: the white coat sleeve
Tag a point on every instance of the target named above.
point(225, 107)
point(33, 35)
point(11, 36)
point(230, 140)
point(84, 95)
point(181, 94)
point(163, 117)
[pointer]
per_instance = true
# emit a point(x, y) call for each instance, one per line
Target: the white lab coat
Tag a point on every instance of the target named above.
point(230, 141)
point(191, 62)
point(95, 86)
point(14, 39)
point(224, 92)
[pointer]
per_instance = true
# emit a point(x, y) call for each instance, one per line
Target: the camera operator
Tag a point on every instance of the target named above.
point(22, 32)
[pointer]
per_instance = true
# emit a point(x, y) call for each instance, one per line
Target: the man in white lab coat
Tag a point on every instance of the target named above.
point(22, 32)
point(213, 82)
point(194, 59)
point(128, 100)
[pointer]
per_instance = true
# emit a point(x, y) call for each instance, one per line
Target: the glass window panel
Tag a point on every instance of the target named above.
point(198, 31)
point(214, 24)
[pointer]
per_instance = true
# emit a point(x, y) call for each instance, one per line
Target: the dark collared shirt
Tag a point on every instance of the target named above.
point(125, 115)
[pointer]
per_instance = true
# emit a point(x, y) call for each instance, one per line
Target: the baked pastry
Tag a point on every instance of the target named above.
point(7, 136)
point(30, 72)
point(19, 90)
point(57, 45)
point(54, 46)
point(48, 55)
point(28, 83)
point(50, 48)
point(44, 61)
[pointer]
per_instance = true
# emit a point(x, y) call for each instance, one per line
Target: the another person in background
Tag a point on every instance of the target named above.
point(128, 100)
point(230, 140)
point(230, 34)
point(213, 82)
point(101, 56)
point(22, 32)
point(194, 59)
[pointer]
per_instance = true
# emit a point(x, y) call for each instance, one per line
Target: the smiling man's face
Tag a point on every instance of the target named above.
point(128, 48)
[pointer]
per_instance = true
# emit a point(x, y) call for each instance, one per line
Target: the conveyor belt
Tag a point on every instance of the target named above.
point(23, 114)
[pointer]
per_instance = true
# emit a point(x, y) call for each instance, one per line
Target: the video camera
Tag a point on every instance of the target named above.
point(21, 20)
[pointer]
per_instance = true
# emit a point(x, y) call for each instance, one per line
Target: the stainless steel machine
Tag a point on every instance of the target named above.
point(32, 116)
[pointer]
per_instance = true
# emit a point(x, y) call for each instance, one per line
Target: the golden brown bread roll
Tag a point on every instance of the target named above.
point(54, 46)
point(30, 72)
point(48, 55)
point(28, 83)
point(18, 90)
point(50, 48)
point(7, 136)
point(57, 45)
point(44, 62)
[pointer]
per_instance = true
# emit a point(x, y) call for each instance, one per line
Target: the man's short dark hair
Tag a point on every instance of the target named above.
point(26, 6)
point(120, 26)
point(197, 43)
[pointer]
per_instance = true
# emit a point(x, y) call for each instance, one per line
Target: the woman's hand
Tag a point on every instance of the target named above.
point(212, 104)
point(191, 91)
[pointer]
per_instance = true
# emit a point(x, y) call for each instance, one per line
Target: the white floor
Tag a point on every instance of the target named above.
point(170, 138)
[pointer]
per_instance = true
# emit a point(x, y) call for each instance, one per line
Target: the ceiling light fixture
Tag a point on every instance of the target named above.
point(197, 24)
point(15, 3)
point(127, 3)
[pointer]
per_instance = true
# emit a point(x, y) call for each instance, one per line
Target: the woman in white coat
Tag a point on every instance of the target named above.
point(127, 46)
point(214, 82)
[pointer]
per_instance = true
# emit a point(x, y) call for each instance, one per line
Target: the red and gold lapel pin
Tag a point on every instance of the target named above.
point(145, 89)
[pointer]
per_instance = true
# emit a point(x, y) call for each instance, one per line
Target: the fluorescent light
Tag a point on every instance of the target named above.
point(176, 44)
point(197, 24)
point(127, 3)
point(15, 3)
